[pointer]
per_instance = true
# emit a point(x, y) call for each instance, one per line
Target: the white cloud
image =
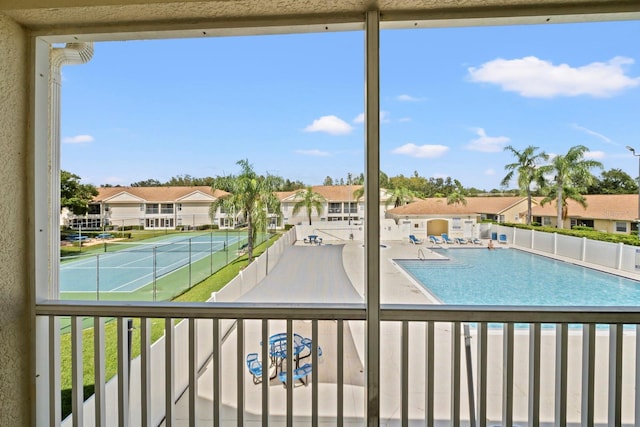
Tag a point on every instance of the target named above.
point(490, 172)
point(487, 144)
point(594, 155)
point(78, 139)
point(330, 124)
point(316, 153)
point(535, 78)
point(593, 133)
point(384, 117)
point(405, 119)
point(407, 98)
point(421, 151)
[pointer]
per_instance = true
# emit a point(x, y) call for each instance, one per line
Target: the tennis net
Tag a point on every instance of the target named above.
point(188, 247)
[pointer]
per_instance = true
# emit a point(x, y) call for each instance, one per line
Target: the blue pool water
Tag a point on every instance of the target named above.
point(513, 277)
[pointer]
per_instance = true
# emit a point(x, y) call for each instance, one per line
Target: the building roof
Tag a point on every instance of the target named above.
point(156, 194)
point(622, 207)
point(332, 193)
point(342, 193)
point(474, 206)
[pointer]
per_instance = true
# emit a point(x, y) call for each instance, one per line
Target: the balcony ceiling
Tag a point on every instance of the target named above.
point(58, 16)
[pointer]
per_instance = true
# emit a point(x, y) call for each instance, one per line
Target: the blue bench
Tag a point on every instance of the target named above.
point(298, 374)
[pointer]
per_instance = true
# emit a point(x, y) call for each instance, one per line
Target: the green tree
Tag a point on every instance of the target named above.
point(328, 181)
point(147, 183)
point(572, 173)
point(527, 167)
point(613, 181)
point(457, 196)
point(251, 198)
point(310, 201)
point(74, 195)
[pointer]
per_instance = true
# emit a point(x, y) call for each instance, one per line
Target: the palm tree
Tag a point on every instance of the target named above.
point(251, 197)
point(527, 167)
point(457, 196)
point(399, 196)
point(358, 193)
point(309, 201)
point(572, 176)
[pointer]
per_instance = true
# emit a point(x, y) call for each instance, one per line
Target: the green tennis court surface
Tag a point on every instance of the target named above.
point(149, 270)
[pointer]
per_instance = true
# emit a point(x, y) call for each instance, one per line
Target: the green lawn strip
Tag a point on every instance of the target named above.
point(200, 292)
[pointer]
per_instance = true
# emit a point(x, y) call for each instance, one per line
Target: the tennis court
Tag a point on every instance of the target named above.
point(154, 269)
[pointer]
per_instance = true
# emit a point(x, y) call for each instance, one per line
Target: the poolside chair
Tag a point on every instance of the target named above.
point(414, 240)
point(436, 240)
point(461, 240)
point(502, 238)
point(446, 239)
point(476, 241)
point(255, 367)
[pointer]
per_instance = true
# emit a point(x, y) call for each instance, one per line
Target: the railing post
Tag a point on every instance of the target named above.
point(615, 375)
point(169, 371)
point(507, 375)
point(99, 367)
point(482, 374)
point(588, 373)
point(561, 375)
point(123, 373)
point(534, 374)
point(455, 374)
point(145, 371)
point(77, 384)
point(637, 380)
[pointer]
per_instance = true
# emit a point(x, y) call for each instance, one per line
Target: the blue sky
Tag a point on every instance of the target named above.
point(451, 99)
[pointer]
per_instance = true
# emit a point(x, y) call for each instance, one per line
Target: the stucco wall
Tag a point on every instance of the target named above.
point(14, 235)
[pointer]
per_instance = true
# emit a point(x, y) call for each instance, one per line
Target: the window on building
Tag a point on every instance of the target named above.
point(335, 207)
point(621, 226)
point(166, 208)
point(152, 208)
point(94, 209)
point(350, 207)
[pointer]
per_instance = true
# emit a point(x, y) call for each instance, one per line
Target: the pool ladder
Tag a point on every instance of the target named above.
point(421, 254)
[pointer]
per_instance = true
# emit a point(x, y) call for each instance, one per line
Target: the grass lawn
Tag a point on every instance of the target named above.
point(200, 292)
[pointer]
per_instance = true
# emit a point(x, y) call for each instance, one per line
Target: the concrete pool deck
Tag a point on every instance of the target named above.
point(398, 287)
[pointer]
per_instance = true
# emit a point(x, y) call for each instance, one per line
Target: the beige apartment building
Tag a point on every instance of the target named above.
point(613, 213)
point(150, 208)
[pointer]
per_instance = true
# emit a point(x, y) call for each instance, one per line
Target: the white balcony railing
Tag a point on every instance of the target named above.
point(524, 365)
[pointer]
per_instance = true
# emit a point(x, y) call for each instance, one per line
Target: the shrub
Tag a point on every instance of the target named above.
point(587, 232)
point(582, 227)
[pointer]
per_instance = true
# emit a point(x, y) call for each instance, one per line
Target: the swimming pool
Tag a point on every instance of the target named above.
point(513, 277)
